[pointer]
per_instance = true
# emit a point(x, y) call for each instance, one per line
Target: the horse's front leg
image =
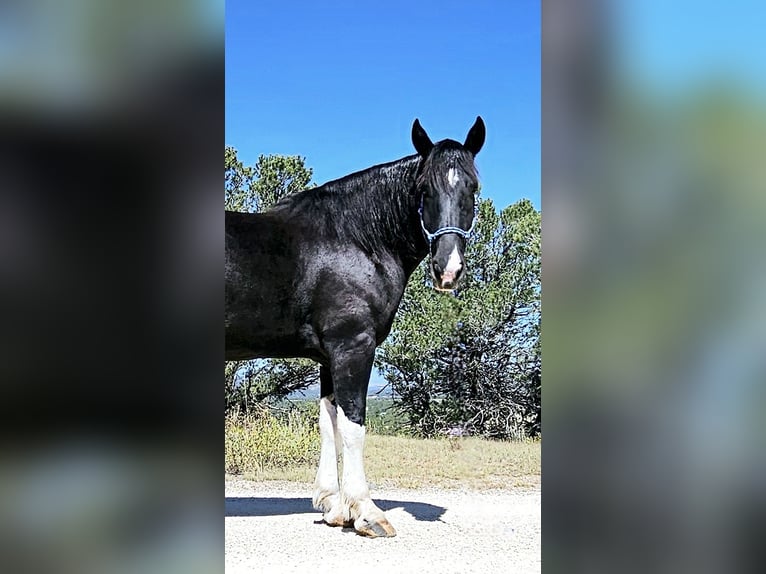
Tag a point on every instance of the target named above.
point(350, 365)
point(326, 486)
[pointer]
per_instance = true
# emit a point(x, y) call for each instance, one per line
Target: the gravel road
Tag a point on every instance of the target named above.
point(271, 527)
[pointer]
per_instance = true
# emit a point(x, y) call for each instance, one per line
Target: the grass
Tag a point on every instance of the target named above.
point(265, 447)
point(260, 441)
point(451, 463)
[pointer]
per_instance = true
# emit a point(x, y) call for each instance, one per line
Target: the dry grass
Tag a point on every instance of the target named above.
point(390, 461)
point(261, 442)
point(452, 463)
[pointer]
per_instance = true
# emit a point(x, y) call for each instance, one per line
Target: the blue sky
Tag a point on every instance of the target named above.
point(681, 44)
point(341, 82)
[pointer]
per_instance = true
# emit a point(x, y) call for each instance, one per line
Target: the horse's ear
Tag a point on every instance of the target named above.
point(420, 139)
point(475, 138)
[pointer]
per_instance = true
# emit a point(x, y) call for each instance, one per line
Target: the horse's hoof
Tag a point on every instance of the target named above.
point(377, 529)
point(338, 522)
point(335, 517)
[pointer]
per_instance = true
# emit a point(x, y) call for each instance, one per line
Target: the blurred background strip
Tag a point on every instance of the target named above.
point(654, 286)
point(111, 246)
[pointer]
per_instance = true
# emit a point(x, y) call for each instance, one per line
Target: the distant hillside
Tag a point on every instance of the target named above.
point(376, 384)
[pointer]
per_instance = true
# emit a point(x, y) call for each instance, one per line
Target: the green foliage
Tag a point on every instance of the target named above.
point(277, 176)
point(266, 381)
point(471, 363)
point(384, 418)
point(239, 194)
point(256, 188)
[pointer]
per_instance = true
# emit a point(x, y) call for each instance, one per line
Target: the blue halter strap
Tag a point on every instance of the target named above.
point(449, 229)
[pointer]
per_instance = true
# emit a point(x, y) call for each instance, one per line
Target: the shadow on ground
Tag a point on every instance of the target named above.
point(276, 506)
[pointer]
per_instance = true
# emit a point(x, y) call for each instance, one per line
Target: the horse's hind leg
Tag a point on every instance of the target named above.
point(351, 367)
point(326, 489)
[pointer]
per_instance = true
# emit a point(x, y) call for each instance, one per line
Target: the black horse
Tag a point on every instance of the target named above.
point(321, 276)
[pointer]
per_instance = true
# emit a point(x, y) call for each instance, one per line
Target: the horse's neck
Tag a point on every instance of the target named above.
point(412, 247)
point(395, 226)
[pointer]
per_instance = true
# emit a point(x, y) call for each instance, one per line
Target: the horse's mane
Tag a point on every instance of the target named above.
point(367, 207)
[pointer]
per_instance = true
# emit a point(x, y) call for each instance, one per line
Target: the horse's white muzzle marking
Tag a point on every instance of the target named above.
point(452, 270)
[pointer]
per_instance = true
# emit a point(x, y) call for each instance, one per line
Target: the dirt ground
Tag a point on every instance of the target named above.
point(271, 527)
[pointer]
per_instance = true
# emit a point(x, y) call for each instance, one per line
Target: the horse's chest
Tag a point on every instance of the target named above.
point(359, 288)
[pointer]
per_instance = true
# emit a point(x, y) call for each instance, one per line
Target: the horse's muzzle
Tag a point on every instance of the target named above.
point(446, 279)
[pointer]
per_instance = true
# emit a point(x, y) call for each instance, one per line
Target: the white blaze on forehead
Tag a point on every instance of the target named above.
point(454, 263)
point(452, 176)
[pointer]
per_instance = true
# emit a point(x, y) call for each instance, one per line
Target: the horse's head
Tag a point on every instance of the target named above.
point(447, 187)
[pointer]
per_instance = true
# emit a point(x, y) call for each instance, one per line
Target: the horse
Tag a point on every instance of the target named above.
point(321, 275)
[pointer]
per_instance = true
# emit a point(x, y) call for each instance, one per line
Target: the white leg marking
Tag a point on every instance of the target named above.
point(452, 176)
point(326, 488)
point(357, 505)
point(354, 482)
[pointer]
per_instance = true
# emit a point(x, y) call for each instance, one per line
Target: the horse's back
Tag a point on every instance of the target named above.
point(254, 243)
point(262, 295)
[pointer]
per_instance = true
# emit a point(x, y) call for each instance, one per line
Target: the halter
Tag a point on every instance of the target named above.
point(449, 229)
